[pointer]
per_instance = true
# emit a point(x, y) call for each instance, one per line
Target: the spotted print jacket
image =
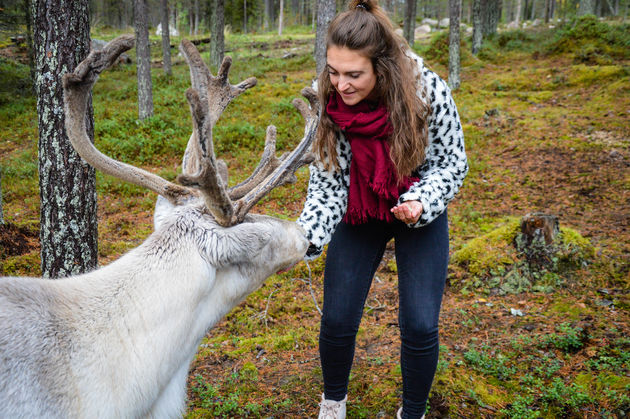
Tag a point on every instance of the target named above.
point(441, 174)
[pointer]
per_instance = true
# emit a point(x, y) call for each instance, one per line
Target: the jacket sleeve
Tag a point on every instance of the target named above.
point(326, 200)
point(445, 166)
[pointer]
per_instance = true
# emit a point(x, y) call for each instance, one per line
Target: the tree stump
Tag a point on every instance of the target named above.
point(537, 239)
point(538, 224)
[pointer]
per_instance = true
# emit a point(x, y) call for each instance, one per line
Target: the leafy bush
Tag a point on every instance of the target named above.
point(516, 40)
point(437, 50)
point(570, 339)
point(591, 40)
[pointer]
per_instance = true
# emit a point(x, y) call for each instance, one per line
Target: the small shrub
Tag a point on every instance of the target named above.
point(438, 50)
point(570, 339)
point(495, 364)
point(589, 39)
point(520, 408)
point(517, 40)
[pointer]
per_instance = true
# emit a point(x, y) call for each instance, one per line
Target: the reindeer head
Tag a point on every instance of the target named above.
point(204, 178)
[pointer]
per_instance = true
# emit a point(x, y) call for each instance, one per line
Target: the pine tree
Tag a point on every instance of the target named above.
point(68, 234)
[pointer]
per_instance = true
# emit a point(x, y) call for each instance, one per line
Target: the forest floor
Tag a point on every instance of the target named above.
point(544, 133)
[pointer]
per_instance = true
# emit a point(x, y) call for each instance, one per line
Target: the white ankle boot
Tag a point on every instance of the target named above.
point(330, 409)
point(399, 414)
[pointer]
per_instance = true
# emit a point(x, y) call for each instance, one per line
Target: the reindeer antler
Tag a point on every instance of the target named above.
point(208, 97)
point(77, 87)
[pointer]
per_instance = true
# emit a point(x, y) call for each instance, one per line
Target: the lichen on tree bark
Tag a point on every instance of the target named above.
point(68, 233)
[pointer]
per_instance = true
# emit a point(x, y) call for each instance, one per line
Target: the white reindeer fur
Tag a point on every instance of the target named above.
point(118, 342)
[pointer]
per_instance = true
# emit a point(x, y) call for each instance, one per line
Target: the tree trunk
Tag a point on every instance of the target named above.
point(586, 7)
point(267, 19)
point(166, 40)
point(68, 224)
point(517, 17)
point(410, 22)
point(454, 10)
point(244, 16)
point(280, 17)
point(143, 62)
point(491, 13)
point(389, 8)
point(325, 14)
point(196, 20)
point(29, 41)
point(477, 36)
point(547, 10)
point(217, 41)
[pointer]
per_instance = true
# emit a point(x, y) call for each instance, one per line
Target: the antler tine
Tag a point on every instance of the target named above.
point(77, 87)
point(222, 92)
point(208, 98)
point(206, 179)
point(268, 163)
point(285, 172)
point(199, 73)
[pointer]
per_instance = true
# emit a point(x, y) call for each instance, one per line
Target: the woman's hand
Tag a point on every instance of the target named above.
point(408, 212)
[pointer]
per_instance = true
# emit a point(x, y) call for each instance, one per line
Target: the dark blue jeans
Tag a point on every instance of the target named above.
point(354, 253)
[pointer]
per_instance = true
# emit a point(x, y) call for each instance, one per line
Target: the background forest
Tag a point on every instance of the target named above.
point(545, 111)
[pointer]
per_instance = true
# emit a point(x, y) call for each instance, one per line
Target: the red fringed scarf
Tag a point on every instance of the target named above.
point(374, 185)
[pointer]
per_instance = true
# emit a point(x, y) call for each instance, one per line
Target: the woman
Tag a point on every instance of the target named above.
point(390, 157)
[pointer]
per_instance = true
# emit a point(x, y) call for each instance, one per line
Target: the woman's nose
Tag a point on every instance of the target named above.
point(344, 82)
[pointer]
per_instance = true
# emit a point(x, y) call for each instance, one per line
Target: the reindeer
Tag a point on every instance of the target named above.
point(118, 342)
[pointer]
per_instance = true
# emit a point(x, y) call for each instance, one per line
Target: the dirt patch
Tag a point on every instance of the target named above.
point(15, 53)
point(15, 240)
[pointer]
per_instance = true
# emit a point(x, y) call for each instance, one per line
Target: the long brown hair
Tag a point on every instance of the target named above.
point(368, 30)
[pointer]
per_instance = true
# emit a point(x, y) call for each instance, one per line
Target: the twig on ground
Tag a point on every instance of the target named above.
point(310, 287)
point(263, 314)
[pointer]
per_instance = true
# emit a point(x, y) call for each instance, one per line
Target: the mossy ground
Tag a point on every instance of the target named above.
point(545, 132)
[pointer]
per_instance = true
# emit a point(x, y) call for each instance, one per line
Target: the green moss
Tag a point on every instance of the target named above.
point(602, 382)
point(249, 372)
point(24, 265)
point(494, 261)
point(570, 311)
point(582, 75)
point(490, 252)
point(587, 32)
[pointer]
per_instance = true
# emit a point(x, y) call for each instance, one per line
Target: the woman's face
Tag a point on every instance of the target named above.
point(351, 73)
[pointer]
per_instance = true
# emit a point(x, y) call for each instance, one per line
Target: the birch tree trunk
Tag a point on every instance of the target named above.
point(68, 226)
point(217, 41)
point(325, 14)
point(143, 60)
point(454, 10)
point(280, 17)
point(517, 17)
point(166, 40)
point(477, 36)
point(196, 9)
point(410, 22)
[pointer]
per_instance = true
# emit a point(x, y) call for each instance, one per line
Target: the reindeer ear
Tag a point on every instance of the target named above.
point(238, 243)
